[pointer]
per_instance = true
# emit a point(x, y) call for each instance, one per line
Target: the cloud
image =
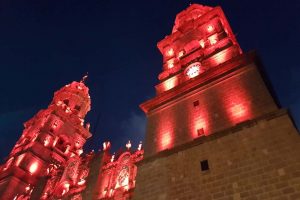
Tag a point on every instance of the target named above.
point(134, 127)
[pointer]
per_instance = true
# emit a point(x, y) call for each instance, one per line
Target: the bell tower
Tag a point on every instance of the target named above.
point(207, 84)
point(213, 129)
point(49, 140)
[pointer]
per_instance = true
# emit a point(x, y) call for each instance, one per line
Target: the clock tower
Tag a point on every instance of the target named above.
point(214, 130)
point(207, 83)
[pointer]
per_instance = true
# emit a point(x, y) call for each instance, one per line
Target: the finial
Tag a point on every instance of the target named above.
point(106, 146)
point(84, 78)
point(128, 145)
point(112, 158)
point(140, 146)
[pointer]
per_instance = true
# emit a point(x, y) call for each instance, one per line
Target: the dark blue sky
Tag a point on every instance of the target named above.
point(47, 44)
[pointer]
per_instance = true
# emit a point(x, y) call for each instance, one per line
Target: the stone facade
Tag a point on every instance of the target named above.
point(256, 160)
point(216, 132)
point(49, 140)
point(180, 117)
point(47, 161)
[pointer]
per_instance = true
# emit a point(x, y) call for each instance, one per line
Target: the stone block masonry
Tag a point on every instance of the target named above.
point(253, 161)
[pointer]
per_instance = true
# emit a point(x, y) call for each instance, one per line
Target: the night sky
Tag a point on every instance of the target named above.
point(46, 44)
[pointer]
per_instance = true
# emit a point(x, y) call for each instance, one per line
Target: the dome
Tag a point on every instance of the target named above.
point(74, 98)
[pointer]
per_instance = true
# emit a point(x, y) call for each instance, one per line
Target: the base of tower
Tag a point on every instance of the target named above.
point(258, 158)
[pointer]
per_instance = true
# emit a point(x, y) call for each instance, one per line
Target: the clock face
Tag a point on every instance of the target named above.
point(193, 70)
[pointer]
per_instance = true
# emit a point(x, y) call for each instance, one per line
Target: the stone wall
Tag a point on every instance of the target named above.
point(256, 160)
point(238, 96)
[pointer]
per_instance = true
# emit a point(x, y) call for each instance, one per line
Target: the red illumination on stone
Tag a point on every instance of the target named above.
point(48, 141)
point(238, 105)
point(19, 159)
point(203, 41)
point(200, 126)
point(207, 88)
point(199, 120)
point(81, 182)
point(170, 52)
point(170, 83)
point(33, 167)
point(210, 28)
point(221, 57)
point(165, 132)
point(118, 175)
point(180, 54)
point(166, 141)
point(213, 39)
point(209, 34)
point(238, 110)
point(171, 64)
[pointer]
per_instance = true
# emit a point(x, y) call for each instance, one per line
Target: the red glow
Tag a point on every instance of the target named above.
point(207, 32)
point(222, 57)
point(111, 192)
point(8, 163)
point(170, 52)
point(165, 141)
point(238, 110)
point(210, 28)
point(213, 39)
point(79, 151)
point(19, 159)
point(33, 167)
point(180, 54)
point(170, 64)
point(118, 177)
point(165, 132)
point(46, 141)
point(27, 188)
point(202, 43)
point(81, 182)
point(199, 122)
point(66, 188)
point(34, 159)
point(170, 83)
point(55, 141)
point(126, 187)
point(66, 185)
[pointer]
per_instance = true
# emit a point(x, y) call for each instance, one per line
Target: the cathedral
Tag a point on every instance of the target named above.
point(214, 131)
